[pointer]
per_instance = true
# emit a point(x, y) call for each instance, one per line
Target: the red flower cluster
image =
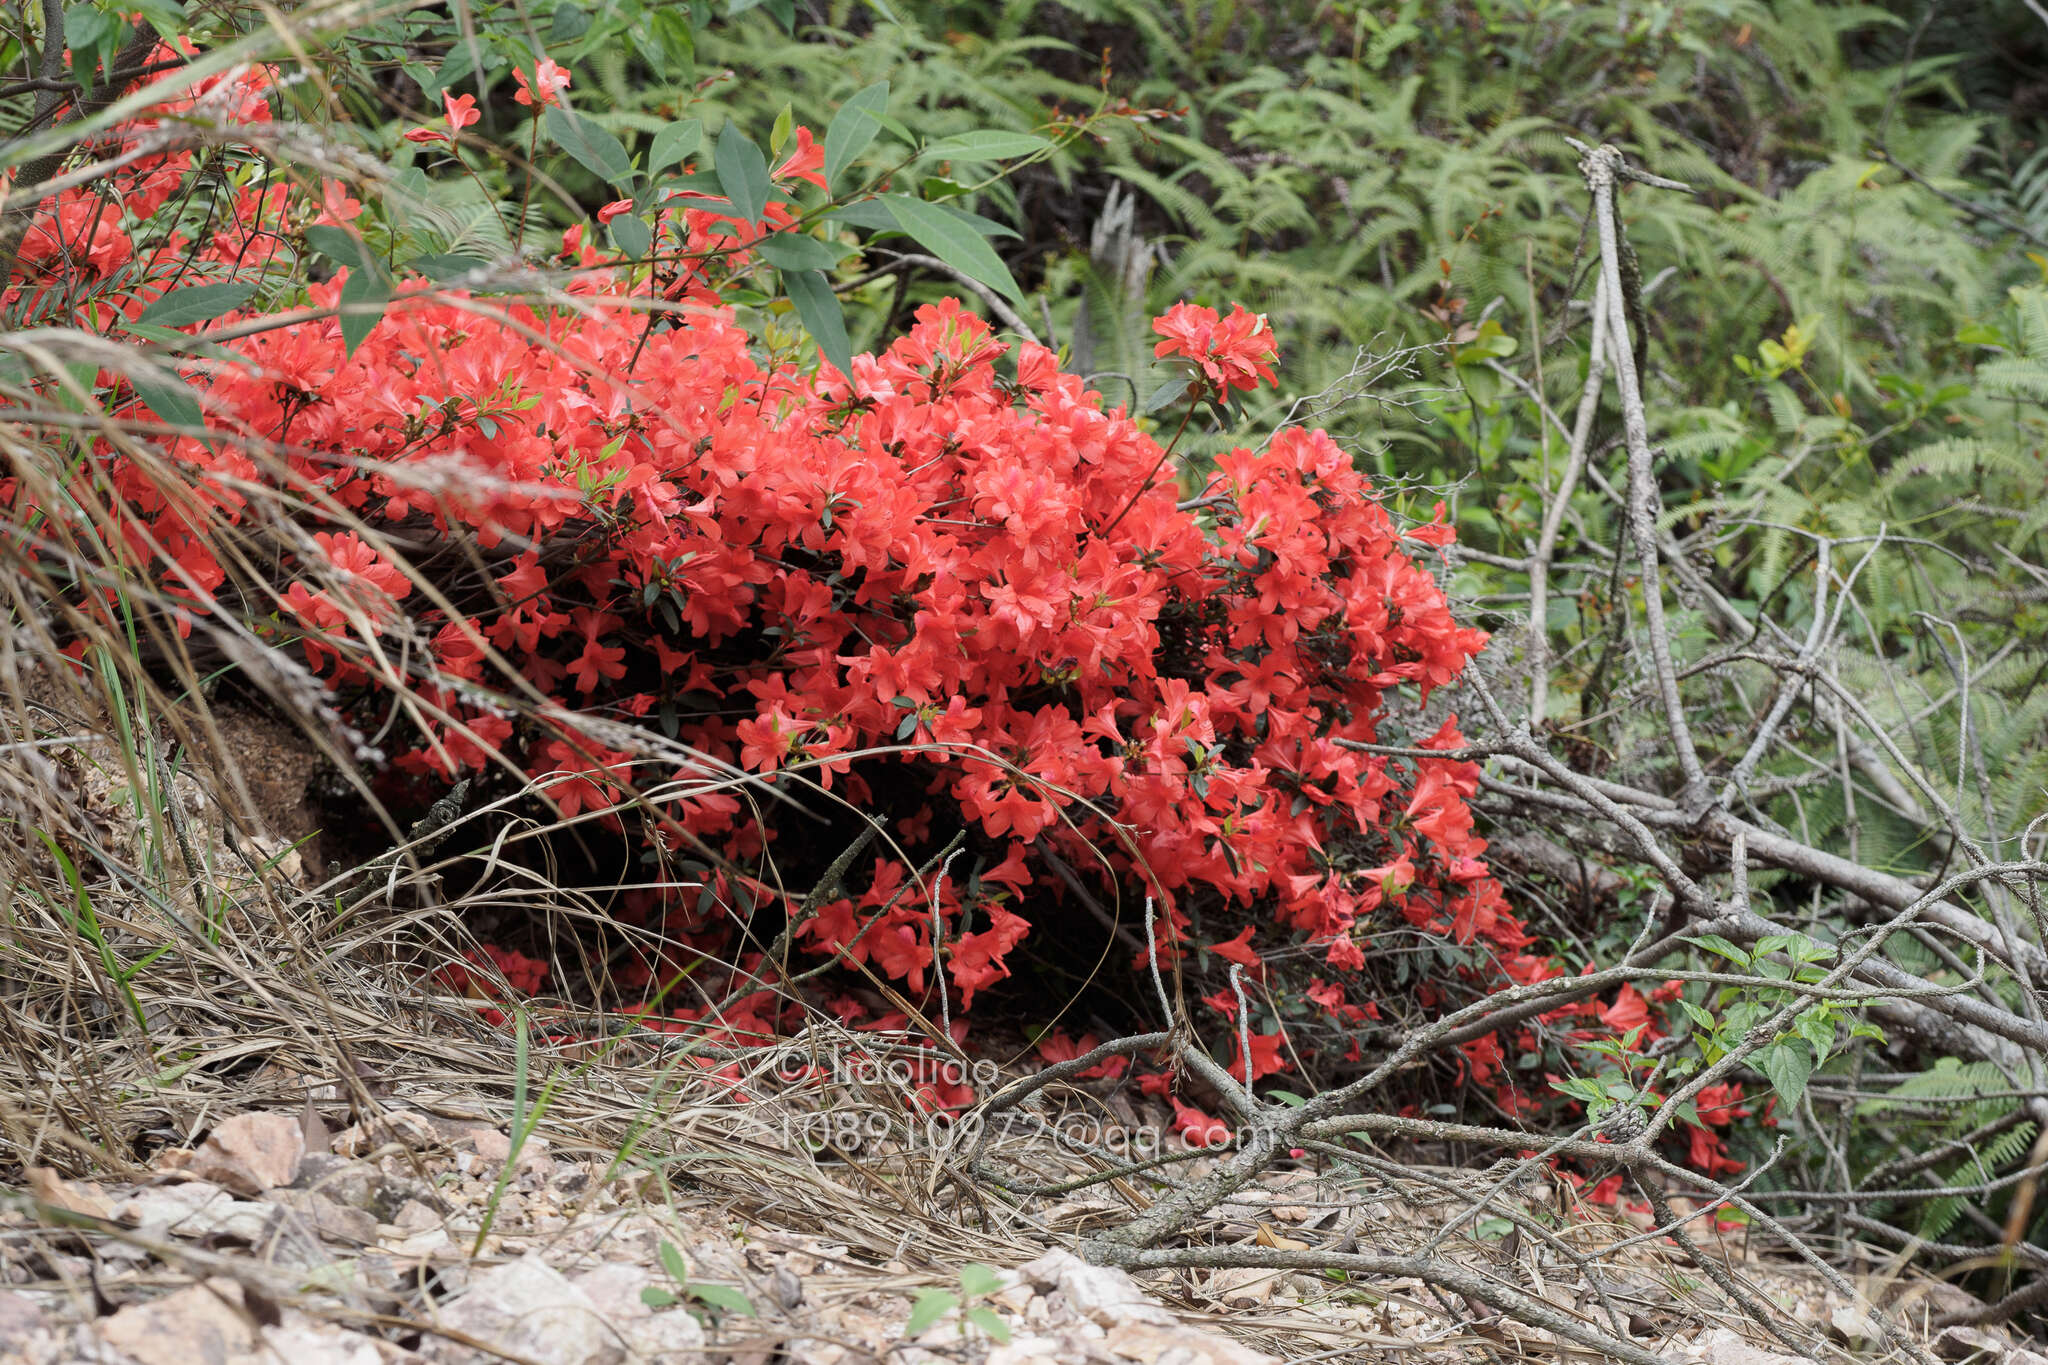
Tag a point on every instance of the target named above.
point(955, 549)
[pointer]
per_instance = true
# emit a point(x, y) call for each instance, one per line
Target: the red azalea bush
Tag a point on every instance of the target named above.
point(952, 588)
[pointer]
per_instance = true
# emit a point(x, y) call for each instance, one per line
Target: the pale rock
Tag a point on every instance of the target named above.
point(251, 1153)
point(74, 1345)
point(196, 1209)
point(1102, 1294)
point(20, 1315)
point(1852, 1324)
point(310, 1343)
point(203, 1323)
point(490, 1144)
point(1968, 1343)
point(657, 1335)
point(171, 1161)
point(493, 1149)
point(423, 1246)
point(1724, 1347)
point(335, 1222)
point(400, 1126)
point(814, 1352)
point(75, 1196)
point(413, 1216)
point(1156, 1344)
point(527, 1309)
point(1240, 1286)
point(1014, 1298)
point(1031, 1351)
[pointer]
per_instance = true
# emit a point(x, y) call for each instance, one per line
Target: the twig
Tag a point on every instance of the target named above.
point(1602, 166)
point(1553, 515)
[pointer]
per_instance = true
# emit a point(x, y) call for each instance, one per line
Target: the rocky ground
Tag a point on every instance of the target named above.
point(418, 1238)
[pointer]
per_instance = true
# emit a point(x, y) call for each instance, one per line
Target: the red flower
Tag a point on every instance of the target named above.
point(597, 662)
point(1436, 531)
point(1057, 1047)
point(807, 162)
point(462, 112)
point(1236, 352)
point(550, 79)
point(1196, 1128)
point(614, 209)
point(1267, 1056)
point(1239, 950)
point(976, 961)
point(337, 205)
point(1628, 1011)
point(1720, 1104)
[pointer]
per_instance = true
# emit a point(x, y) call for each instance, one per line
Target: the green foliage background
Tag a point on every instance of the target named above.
point(1848, 333)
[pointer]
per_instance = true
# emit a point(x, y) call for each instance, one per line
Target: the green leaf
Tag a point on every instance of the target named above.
point(675, 144)
point(171, 399)
point(988, 145)
point(931, 1305)
point(853, 128)
point(977, 1280)
point(1714, 943)
point(672, 1261)
point(339, 245)
point(1491, 343)
point(441, 268)
point(743, 172)
point(795, 251)
point(778, 136)
point(167, 17)
point(1582, 1088)
point(698, 201)
point(817, 307)
point(987, 1321)
point(874, 215)
point(367, 288)
point(1172, 391)
point(367, 285)
point(196, 303)
point(1787, 1065)
point(1818, 1030)
point(597, 150)
point(570, 23)
point(183, 343)
point(631, 235)
point(654, 1296)
point(724, 1298)
point(954, 242)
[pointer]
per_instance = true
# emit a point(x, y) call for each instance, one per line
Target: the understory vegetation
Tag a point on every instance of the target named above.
point(1464, 577)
